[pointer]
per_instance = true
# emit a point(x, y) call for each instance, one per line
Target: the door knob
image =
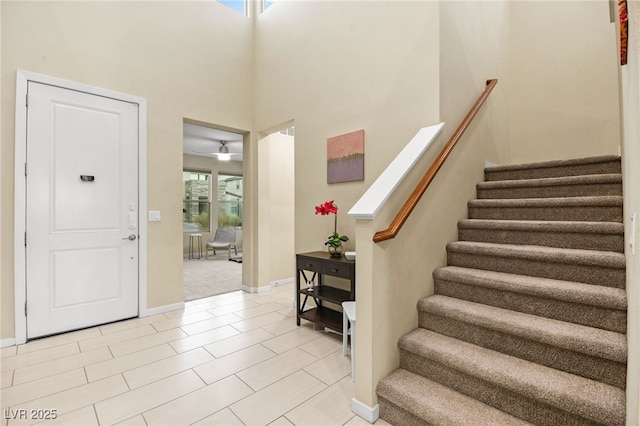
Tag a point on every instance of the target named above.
point(131, 237)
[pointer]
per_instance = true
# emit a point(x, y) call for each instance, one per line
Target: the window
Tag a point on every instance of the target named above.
point(229, 201)
point(237, 5)
point(196, 204)
point(288, 132)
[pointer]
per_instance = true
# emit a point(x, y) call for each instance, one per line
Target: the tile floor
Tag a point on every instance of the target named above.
point(232, 359)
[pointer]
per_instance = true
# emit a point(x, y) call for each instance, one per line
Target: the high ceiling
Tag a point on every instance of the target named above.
point(204, 141)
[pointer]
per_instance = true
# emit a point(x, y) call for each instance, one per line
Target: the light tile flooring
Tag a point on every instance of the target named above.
point(232, 359)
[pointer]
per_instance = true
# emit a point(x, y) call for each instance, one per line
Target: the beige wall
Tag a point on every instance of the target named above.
point(277, 204)
point(630, 94)
point(337, 67)
point(349, 66)
point(563, 92)
point(167, 52)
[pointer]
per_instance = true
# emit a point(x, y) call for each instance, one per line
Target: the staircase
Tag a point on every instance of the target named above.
point(527, 324)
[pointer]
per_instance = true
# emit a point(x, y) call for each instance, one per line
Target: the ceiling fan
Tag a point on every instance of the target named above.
point(223, 153)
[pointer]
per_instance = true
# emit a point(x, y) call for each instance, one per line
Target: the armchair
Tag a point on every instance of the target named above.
point(224, 239)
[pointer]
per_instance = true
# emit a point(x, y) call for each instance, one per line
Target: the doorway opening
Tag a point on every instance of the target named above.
point(276, 215)
point(212, 211)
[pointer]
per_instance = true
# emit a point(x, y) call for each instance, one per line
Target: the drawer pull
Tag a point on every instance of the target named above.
point(334, 270)
point(309, 265)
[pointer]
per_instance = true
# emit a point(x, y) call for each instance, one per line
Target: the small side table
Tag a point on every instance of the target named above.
point(321, 264)
point(197, 238)
point(349, 327)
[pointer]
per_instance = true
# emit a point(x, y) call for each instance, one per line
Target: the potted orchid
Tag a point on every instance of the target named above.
point(335, 240)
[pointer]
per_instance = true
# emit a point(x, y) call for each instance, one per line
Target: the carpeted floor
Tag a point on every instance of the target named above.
point(208, 277)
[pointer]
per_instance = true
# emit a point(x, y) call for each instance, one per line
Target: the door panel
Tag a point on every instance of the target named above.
point(96, 282)
point(82, 204)
point(87, 149)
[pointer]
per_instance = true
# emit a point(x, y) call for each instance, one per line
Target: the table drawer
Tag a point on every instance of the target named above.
point(343, 271)
point(309, 264)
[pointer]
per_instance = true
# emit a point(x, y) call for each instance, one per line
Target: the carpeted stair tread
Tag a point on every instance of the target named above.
point(606, 164)
point(604, 268)
point(605, 259)
point(567, 226)
point(569, 291)
point(438, 405)
point(583, 397)
point(553, 181)
point(608, 236)
point(565, 186)
point(565, 202)
point(579, 303)
point(597, 208)
point(599, 343)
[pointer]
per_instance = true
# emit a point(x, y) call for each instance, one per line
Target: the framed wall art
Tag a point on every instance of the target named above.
point(345, 157)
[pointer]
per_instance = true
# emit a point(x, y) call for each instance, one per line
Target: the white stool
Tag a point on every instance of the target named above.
point(349, 327)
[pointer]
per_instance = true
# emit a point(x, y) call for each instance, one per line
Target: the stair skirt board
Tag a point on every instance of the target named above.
point(527, 324)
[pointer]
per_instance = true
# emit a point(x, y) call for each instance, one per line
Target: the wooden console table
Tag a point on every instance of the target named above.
point(317, 264)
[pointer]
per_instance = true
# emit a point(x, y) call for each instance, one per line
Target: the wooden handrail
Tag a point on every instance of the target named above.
point(422, 186)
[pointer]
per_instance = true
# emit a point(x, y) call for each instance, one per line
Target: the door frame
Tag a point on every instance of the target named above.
point(20, 189)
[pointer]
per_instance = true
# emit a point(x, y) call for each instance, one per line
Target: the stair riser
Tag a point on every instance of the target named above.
point(582, 241)
point(564, 213)
point(395, 415)
point(592, 316)
point(551, 191)
point(573, 362)
point(549, 172)
point(520, 406)
point(588, 274)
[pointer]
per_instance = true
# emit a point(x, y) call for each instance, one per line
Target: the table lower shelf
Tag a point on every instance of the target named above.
point(325, 317)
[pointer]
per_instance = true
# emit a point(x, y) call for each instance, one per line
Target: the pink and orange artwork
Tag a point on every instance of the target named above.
point(624, 30)
point(345, 157)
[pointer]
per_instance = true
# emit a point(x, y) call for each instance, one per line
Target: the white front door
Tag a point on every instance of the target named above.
point(82, 210)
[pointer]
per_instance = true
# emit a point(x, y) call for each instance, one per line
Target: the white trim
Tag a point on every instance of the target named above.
point(368, 413)
point(368, 206)
point(162, 309)
point(142, 209)
point(4, 343)
point(22, 78)
point(261, 289)
point(19, 209)
point(282, 281)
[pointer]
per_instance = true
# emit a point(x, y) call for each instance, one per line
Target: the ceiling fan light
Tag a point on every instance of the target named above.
point(223, 152)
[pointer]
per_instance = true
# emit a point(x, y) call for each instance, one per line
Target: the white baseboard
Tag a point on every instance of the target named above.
point(256, 289)
point(161, 309)
point(268, 287)
point(7, 342)
point(282, 281)
point(364, 411)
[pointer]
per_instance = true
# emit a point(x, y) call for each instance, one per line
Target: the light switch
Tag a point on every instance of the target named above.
point(154, 216)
